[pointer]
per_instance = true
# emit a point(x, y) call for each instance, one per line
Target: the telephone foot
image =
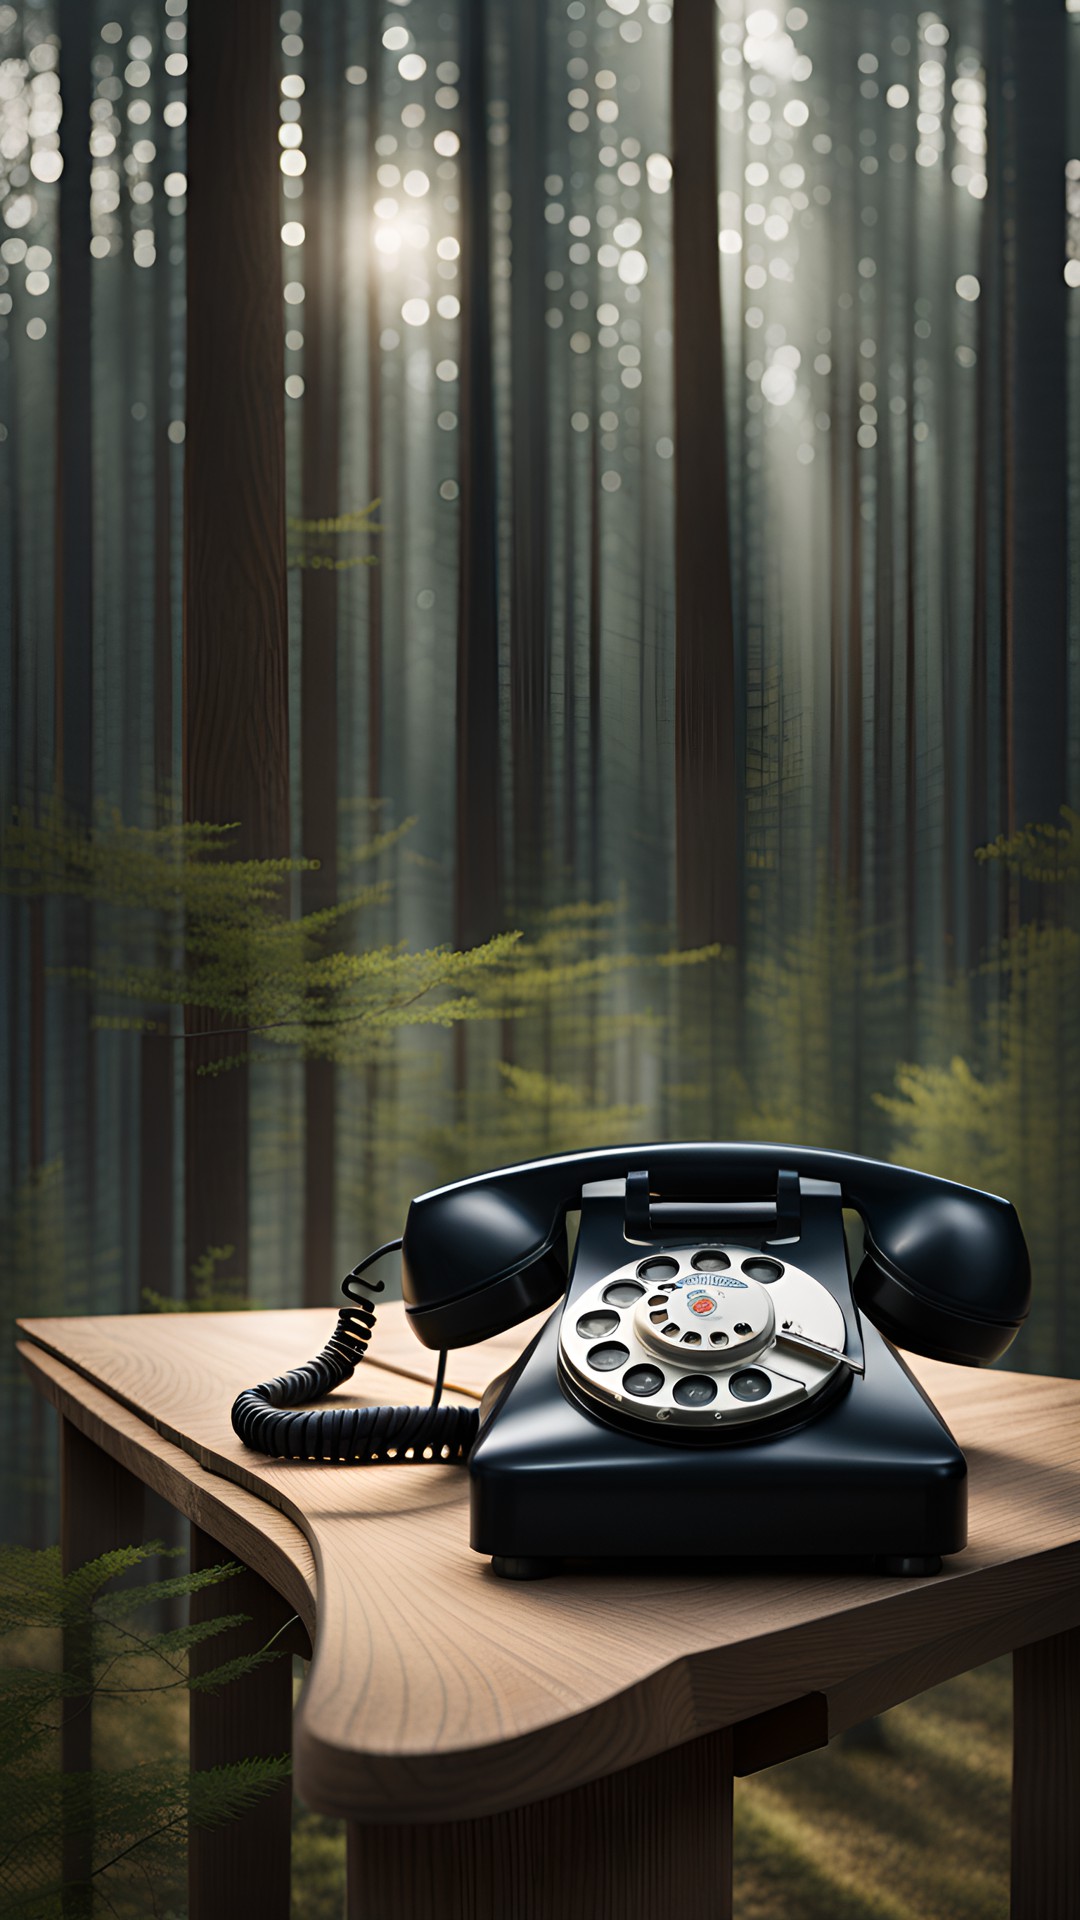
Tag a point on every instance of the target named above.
point(913, 1565)
point(518, 1567)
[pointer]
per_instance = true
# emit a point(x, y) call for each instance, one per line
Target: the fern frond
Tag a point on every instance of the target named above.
point(229, 1670)
point(117, 1606)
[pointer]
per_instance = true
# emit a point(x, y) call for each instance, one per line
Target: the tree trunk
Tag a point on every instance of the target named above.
point(235, 608)
point(836, 634)
point(954, 879)
point(855, 690)
point(570, 770)
point(374, 437)
point(707, 803)
point(476, 864)
point(595, 658)
point(73, 644)
point(1036, 373)
point(982, 815)
point(321, 463)
point(156, 1050)
point(371, 1095)
point(910, 940)
point(74, 477)
point(883, 718)
point(529, 591)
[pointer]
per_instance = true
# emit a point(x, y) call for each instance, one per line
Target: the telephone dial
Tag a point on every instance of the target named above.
point(713, 1383)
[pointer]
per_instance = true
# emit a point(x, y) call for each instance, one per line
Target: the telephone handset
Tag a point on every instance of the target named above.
point(709, 1309)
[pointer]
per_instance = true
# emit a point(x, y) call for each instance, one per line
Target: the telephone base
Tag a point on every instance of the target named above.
point(871, 1476)
point(875, 1472)
point(904, 1566)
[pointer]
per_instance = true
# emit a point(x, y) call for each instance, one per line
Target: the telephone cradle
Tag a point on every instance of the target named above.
point(713, 1384)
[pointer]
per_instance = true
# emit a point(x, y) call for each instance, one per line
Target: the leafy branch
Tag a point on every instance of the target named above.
point(189, 927)
point(133, 1817)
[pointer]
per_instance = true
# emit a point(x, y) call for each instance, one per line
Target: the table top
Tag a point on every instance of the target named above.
point(438, 1691)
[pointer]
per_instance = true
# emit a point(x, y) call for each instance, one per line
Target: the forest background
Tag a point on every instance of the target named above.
point(539, 605)
point(540, 583)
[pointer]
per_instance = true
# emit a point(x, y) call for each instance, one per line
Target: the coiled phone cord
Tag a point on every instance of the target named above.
point(263, 1419)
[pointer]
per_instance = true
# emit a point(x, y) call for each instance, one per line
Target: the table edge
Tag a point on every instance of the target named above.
point(231, 1514)
point(661, 1710)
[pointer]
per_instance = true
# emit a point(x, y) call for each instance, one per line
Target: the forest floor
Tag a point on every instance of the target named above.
point(907, 1819)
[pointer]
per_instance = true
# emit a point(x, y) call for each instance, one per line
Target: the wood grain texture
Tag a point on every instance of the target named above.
point(654, 1839)
point(765, 1739)
point(438, 1692)
point(1046, 1779)
point(244, 1525)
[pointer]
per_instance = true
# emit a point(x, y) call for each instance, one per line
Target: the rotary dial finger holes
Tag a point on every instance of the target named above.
point(688, 1337)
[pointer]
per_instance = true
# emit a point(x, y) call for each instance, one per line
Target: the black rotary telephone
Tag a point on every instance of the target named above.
point(713, 1384)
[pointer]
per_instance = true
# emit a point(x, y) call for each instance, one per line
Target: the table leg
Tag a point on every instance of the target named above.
point(1046, 1779)
point(654, 1839)
point(242, 1867)
point(101, 1507)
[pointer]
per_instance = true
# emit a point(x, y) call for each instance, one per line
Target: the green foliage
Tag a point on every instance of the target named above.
point(951, 1121)
point(1009, 1119)
point(33, 1236)
point(38, 1275)
point(318, 1866)
point(801, 1081)
point(569, 962)
point(210, 1293)
point(1044, 852)
point(223, 941)
point(134, 1817)
point(314, 543)
point(566, 1065)
point(520, 1113)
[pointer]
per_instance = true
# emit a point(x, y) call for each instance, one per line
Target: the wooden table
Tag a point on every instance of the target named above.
point(561, 1748)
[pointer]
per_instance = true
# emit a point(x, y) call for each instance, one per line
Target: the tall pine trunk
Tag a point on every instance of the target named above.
point(596, 678)
point(976, 819)
point(74, 474)
point(707, 809)
point(982, 818)
point(321, 462)
point(235, 609)
point(74, 679)
point(530, 730)
point(910, 809)
point(836, 636)
point(374, 437)
point(855, 690)
point(370, 1180)
point(1037, 375)
point(476, 863)
point(882, 713)
point(156, 1050)
point(64, 931)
